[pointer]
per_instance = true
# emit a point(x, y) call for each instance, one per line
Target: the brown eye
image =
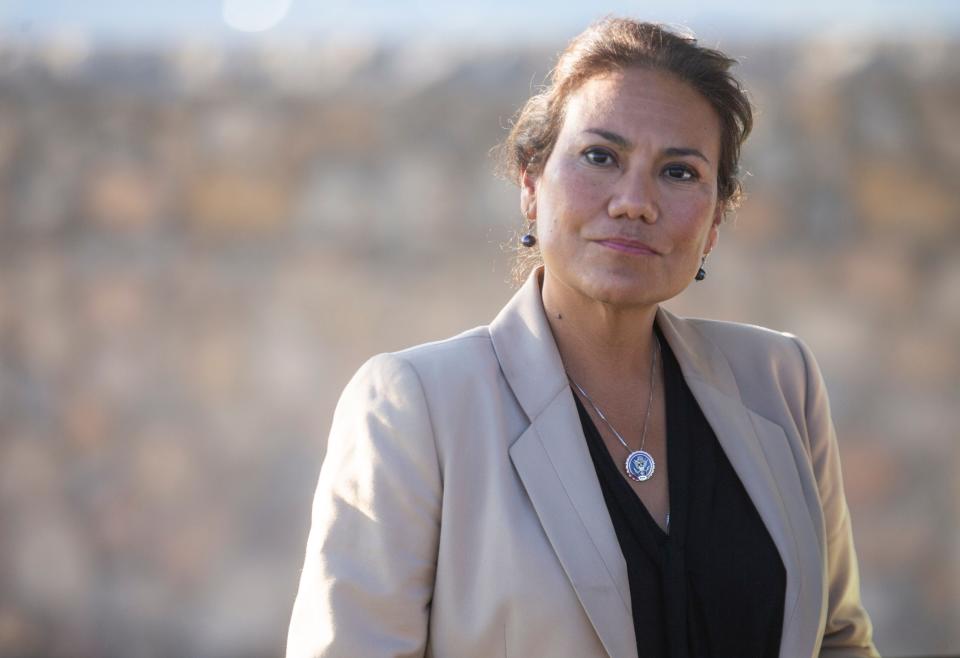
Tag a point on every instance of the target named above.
point(599, 157)
point(680, 172)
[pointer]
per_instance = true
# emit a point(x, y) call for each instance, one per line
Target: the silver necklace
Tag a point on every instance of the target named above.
point(639, 465)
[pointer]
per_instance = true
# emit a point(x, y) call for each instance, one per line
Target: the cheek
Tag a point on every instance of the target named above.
point(551, 236)
point(694, 218)
point(562, 206)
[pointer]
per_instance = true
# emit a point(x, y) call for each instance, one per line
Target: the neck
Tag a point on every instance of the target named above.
point(599, 342)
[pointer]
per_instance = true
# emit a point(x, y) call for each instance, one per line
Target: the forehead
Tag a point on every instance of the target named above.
point(643, 104)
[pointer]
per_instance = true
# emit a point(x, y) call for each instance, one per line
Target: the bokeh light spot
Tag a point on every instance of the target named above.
point(254, 15)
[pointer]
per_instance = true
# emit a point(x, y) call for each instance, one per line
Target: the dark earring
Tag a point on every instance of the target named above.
point(529, 239)
point(701, 273)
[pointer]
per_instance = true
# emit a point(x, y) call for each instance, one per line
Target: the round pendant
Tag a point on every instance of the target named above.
point(640, 465)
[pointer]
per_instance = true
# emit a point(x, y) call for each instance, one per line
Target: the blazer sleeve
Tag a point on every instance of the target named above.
point(848, 631)
point(367, 580)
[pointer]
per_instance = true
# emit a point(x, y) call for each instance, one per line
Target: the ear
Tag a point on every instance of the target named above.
point(528, 195)
point(714, 235)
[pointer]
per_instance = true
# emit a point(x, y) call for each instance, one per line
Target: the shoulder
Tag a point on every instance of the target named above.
point(466, 357)
point(749, 347)
point(469, 347)
point(771, 368)
point(445, 390)
point(744, 337)
point(403, 398)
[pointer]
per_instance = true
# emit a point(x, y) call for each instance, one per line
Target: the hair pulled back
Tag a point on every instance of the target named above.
point(615, 44)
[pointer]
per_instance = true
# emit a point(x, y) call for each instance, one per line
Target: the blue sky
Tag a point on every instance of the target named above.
point(486, 20)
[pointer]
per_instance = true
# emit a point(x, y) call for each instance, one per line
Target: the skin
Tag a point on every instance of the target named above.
point(626, 206)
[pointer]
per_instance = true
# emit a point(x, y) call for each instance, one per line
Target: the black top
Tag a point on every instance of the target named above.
point(714, 586)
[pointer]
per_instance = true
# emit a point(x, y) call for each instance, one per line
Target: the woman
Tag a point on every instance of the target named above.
point(590, 475)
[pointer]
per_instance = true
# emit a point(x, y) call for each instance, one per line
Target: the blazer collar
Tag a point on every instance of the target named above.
point(553, 462)
point(554, 465)
point(527, 352)
point(531, 363)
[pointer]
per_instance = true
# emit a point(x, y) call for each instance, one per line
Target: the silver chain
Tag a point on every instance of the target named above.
point(646, 418)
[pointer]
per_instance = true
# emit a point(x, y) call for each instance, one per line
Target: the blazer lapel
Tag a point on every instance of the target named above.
point(760, 454)
point(559, 478)
point(557, 472)
point(553, 462)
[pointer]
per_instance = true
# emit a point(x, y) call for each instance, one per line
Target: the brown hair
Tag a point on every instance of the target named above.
point(614, 44)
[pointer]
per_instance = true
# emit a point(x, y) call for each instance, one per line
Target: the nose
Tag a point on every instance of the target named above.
point(635, 197)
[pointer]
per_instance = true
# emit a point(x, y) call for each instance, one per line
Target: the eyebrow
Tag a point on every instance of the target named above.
point(624, 143)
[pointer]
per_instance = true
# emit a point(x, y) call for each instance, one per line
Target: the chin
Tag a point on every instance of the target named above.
point(620, 291)
point(618, 286)
point(632, 289)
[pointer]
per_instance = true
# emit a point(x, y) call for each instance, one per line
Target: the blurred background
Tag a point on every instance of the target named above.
point(211, 213)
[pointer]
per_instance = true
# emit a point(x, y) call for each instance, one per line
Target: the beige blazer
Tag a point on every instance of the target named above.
point(458, 513)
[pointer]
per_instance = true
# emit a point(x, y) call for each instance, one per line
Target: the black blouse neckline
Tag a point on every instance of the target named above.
point(713, 585)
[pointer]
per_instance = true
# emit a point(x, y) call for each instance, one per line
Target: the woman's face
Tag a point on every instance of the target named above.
point(626, 203)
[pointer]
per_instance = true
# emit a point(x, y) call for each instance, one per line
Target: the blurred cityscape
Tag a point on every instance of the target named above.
point(201, 244)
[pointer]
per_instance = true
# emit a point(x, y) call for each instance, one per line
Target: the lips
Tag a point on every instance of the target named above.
point(626, 245)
